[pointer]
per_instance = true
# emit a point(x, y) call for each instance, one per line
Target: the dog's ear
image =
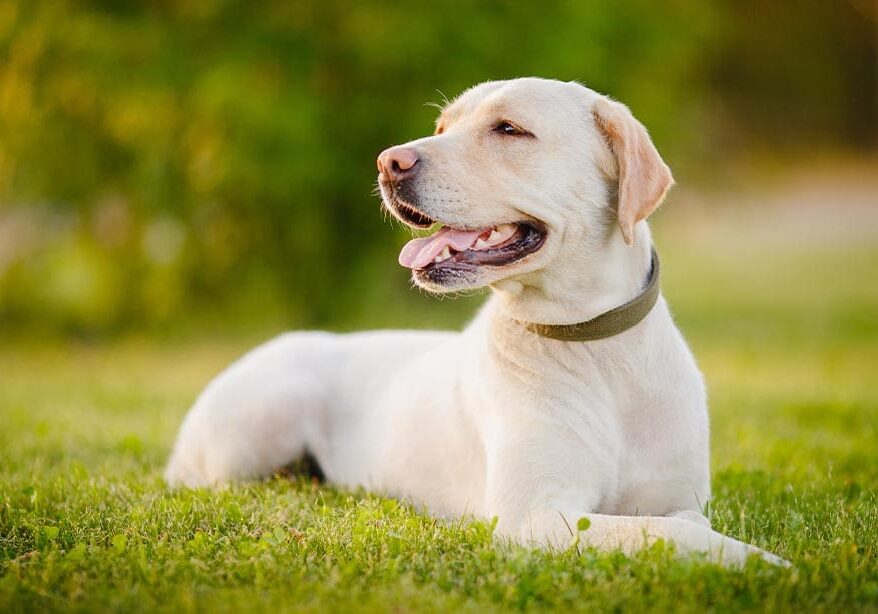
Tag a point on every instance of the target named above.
point(644, 178)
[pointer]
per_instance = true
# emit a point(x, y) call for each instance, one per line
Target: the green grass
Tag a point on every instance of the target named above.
point(785, 334)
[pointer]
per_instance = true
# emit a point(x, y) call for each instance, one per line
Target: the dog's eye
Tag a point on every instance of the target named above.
point(510, 129)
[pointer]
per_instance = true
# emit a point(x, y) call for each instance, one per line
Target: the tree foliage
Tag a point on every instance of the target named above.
point(164, 156)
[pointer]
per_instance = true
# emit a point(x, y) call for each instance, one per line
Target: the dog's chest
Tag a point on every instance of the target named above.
point(617, 415)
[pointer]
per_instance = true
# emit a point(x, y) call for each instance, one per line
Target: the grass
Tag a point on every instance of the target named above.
point(785, 333)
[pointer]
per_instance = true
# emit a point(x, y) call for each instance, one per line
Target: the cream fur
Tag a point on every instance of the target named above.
point(495, 421)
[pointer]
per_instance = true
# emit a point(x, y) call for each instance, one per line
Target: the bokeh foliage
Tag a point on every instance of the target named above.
point(215, 157)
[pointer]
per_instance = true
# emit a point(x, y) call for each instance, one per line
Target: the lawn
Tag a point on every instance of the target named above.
point(786, 332)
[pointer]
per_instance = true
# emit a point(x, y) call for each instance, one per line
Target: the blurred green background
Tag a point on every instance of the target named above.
point(210, 163)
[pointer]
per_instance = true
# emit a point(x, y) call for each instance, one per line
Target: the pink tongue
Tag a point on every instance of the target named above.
point(418, 253)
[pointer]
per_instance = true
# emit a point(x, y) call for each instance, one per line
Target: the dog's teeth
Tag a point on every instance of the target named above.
point(481, 244)
point(495, 237)
point(445, 254)
point(507, 230)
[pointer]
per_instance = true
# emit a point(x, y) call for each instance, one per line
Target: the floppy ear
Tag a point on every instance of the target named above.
point(644, 178)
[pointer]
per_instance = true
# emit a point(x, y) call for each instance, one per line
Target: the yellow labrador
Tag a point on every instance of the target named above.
point(572, 395)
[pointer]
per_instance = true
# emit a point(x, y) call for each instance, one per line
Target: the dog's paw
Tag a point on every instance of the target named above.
point(768, 557)
point(733, 553)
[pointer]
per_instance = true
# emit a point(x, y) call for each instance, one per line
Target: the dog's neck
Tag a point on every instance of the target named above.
point(576, 292)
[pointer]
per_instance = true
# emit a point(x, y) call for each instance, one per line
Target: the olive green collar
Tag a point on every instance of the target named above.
point(609, 323)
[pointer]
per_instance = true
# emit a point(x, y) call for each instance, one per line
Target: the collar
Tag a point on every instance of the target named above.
point(609, 323)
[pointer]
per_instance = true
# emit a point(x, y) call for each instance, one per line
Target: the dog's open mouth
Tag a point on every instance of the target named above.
point(454, 248)
point(410, 215)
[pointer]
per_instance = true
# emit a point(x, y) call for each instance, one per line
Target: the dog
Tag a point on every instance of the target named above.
point(569, 409)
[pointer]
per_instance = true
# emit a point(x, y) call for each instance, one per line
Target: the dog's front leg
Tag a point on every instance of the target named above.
point(607, 533)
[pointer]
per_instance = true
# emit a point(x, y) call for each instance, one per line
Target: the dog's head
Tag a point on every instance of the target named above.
point(524, 176)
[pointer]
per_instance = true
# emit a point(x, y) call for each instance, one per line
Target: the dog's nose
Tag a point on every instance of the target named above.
point(397, 163)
